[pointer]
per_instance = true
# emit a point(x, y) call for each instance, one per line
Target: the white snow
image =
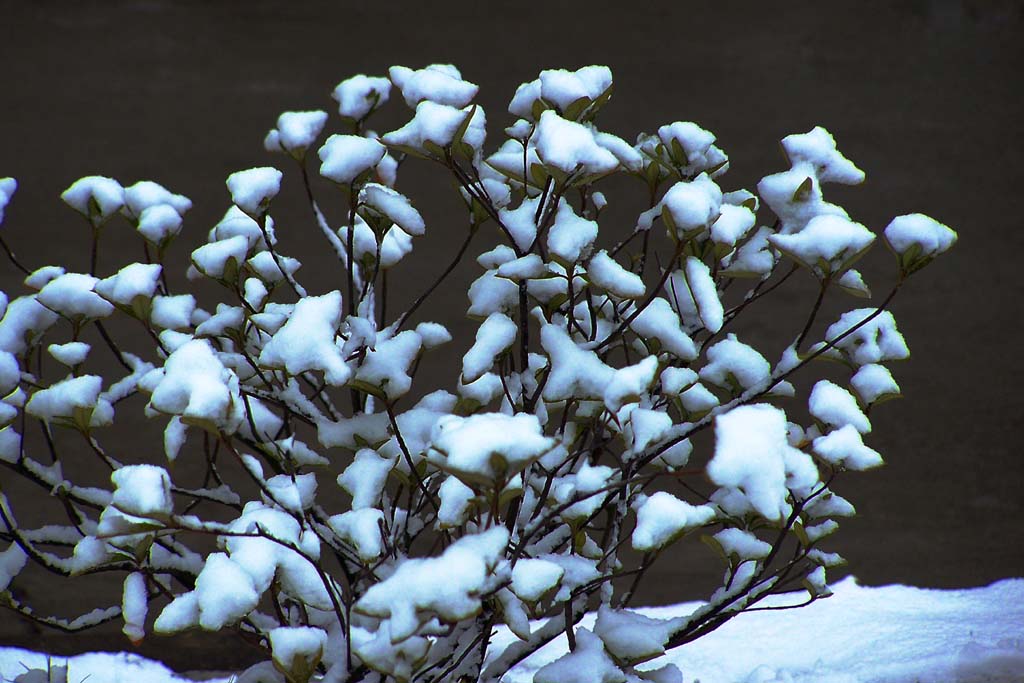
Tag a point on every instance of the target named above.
point(295, 132)
point(817, 148)
point(71, 295)
point(437, 124)
point(147, 194)
point(306, 341)
point(561, 88)
point(448, 585)
point(297, 647)
point(750, 450)
point(71, 400)
point(346, 157)
point(359, 95)
point(12, 561)
point(132, 281)
point(588, 663)
point(493, 337)
point(361, 529)
point(662, 518)
point(532, 578)
point(142, 491)
point(365, 477)
point(660, 323)
point(95, 197)
point(394, 205)
point(733, 224)
point(159, 223)
point(845, 447)
point(606, 273)
point(440, 83)
point(733, 364)
point(69, 354)
point(571, 236)
point(700, 295)
point(134, 607)
point(829, 240)
point(568, 146)
point(861, 634)
point(172, 312)
point(195, 385)
point(873, 383)
point(742, 544)
point(692, 205)
point(873, 342)
point(253, 189)
point(836, 407)
point(481, 448)
point(7, 188)
point(930, 236)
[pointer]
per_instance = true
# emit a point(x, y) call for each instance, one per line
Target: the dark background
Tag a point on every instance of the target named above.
point(924, 95)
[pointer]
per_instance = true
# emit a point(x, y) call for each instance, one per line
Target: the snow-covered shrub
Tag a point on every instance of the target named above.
point(533, 489)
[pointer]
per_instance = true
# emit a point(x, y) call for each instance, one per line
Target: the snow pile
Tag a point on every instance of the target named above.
point(893, 634)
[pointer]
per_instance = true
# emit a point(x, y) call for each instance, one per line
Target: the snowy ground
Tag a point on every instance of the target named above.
point(893, 634)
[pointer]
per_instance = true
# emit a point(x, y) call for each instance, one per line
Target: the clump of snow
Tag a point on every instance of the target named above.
point(296, 131)
point(69, 354)
point(588, 663)
point(253, 189)
point(483, 447)
point(159, 223)
point(569, 147)
point(439, 83)
point(741, 544)
point(828, 242)
point(845, 448)
point(297, 648)
point(307, 340)
point(606, 273)
point(735, 365)
point(364, 479)
point(7, 188)
point(394, 206)
point(493, 337)
point(195, 385)
point(874, 383)
point(73, 401)
point(134, 607)
point(131, 283)
point(533, 578)
point(750, 452)
point(97, 198)
point(930, 237)
point(570, 236)
point(817, 148)
point(361, 529)
point(689, 206)
point(359, 95)
point(873, 342)
point(435, 125)
point(142, 491)
point(147, 194)
point(447, 586)
point(836, 407)
point(658, 322)
point(347, 157)
point(71, 295)
point(662, 518)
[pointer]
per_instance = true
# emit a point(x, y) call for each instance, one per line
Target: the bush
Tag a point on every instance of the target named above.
point(530, 492)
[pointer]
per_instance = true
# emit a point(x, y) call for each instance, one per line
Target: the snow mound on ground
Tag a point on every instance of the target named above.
point(891, 634)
